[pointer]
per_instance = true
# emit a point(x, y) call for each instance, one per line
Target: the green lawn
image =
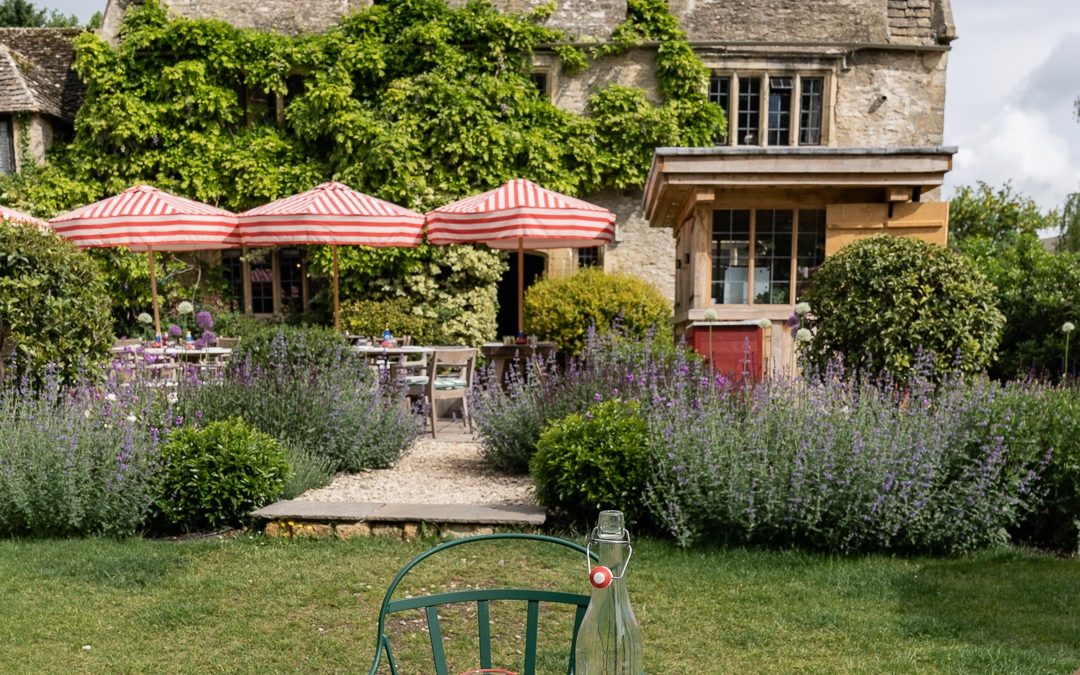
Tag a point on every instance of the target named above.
point(256, 605)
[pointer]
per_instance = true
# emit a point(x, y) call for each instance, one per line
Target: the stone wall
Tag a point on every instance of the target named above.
point(284, 16)
point(639, 250)
point(834, 21)
point(890, 99)
point(636, 68)
point(39, 137)
point(582, 19)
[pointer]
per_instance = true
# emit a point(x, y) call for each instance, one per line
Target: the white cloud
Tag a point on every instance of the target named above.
point(1012, 78)
point(1023, 146)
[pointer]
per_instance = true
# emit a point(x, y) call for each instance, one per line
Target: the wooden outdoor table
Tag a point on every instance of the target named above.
point(501, 355)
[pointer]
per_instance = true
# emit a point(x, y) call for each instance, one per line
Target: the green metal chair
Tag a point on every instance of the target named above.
point(431, 603)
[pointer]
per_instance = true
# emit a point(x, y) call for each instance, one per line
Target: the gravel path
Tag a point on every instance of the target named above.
point(431, 472)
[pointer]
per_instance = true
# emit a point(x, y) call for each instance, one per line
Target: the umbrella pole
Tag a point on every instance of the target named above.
point(337, 296)
point(153, 292)
point(521, 285)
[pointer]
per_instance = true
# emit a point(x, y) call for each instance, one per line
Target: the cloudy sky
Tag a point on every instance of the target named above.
point(1013, 75)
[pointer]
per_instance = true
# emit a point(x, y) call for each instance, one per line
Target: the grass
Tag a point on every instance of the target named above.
point(254, 605)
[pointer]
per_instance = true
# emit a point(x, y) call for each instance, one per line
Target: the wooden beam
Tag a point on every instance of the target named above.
point(896, 193)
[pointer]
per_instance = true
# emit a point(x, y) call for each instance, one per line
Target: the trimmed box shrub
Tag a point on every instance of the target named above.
point(564, 310)
point(214, 476)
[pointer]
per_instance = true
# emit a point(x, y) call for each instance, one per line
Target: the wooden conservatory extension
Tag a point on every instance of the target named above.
point(753, 224)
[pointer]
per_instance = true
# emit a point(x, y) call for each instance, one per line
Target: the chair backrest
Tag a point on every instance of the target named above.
point(127, 342)
point(458, 362)
point(482, 597)
point(228, 342)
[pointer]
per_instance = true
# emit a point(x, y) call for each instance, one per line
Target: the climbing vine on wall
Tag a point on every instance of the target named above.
point(410, 100)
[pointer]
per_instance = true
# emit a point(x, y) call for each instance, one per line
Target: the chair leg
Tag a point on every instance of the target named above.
point(465, 412)
point(434, 416)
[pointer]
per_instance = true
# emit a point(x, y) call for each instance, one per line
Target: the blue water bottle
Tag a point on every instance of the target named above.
point(387, 338)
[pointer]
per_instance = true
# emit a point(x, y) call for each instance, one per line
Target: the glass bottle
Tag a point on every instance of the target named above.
point(609, 640)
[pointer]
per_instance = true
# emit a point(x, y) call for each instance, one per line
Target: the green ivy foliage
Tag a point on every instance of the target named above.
point(54, 308)
point(882, 300)
point(413, 101)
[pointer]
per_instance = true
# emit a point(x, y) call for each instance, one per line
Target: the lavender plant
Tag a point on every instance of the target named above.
point(841, 465)
point(330, 407)
point(510, 419)
point(75, 460)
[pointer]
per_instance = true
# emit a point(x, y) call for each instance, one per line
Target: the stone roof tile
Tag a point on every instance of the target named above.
point(35, 71)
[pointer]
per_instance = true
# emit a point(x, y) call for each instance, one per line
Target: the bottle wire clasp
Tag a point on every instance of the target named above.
point(624, 540)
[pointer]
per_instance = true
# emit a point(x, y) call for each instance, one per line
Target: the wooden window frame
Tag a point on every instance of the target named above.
point(764, 75)
point(752, 252)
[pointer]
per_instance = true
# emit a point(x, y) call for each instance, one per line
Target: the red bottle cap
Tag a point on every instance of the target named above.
point(600, 577)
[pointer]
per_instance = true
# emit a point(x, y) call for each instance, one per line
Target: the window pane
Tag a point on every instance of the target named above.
point(810, 110)
point(233, 270)
point(588, 257)
point(540, 81)
point(730, 257)
point(291, 271)
point(780, 90)
point(7, 146)
point(720, 94)
point(749, 111)
point(772, 257)
point(811, 247)
point(262, 284)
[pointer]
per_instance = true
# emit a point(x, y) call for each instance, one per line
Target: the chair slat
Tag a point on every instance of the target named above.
point(521, 594)
point(578, 616)
point(484, 620)
point(435, 632)
point(531, 627)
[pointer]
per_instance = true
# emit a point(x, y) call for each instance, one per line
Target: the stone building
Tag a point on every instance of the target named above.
point(836, 115)
point(39, 92)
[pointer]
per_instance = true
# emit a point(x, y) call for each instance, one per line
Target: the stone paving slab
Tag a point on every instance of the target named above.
point(377, 512)
point(297, 509)
point(510, 514)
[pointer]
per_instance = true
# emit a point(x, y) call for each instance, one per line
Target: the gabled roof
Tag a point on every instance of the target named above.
point(35, 71)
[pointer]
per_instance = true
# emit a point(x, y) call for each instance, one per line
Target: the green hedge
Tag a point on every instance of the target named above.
point(564, 310)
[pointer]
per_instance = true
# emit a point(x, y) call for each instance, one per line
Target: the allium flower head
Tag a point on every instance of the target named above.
point(710, 315)
point(803, 335)
point(185, 307)
point(1067, 327)
point(175, 331)
point(764, 323)
point(802, 308)
point(209, 338)
point(144, 318)
point(204, 320)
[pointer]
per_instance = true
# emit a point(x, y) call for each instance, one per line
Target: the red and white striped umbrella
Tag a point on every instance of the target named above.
point(521, 211)
point(14, 216)
point(144, 218)
point(336, 215)
point(333, 214)
point(521, 214)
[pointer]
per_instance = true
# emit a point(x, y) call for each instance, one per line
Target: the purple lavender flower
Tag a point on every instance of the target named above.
point(204, 320)
point(175, 331)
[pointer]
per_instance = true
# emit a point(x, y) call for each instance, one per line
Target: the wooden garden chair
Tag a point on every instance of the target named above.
point(450, 374)
point(431, 604)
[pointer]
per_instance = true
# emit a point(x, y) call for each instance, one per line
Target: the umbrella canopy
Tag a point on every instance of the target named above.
point(332, 214)
point(22, 218)
point(144, 218)
point(518, 215)
point(521, 212)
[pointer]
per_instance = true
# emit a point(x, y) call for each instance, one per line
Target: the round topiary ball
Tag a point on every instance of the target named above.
point(215, 476)
point(563, 310)
point(880, 302)
point(54, 307)
point(595, 460)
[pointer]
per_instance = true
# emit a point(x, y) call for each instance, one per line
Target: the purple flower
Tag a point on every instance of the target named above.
point(209, 338)
point(199, 344)
point(204, 320)
point(175, 331)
